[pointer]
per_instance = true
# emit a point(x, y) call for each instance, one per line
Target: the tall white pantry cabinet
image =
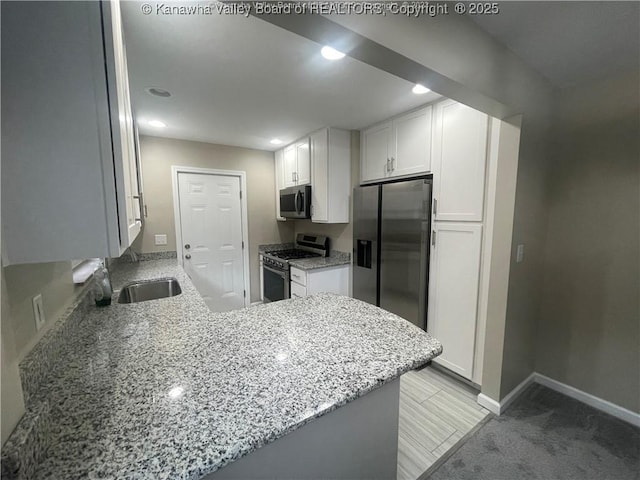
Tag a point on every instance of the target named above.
point(70, 172)
point(459, 163)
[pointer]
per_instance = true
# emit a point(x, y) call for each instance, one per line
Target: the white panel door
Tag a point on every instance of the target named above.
point(412, 143)
point(211, 228)
point(453, 293)
point(375, 143)
point(459, 156)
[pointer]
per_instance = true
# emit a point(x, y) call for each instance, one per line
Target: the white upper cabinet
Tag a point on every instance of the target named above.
point(279, 174)
point(375, 145)
point(459, 158)
point(296, 164)
point(303, 162)
point(69, 173)
point(331, 175)
point(412, 141)
point(399, 147)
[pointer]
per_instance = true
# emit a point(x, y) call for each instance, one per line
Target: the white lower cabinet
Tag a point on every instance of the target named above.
point(319, 280)
point(453, 293)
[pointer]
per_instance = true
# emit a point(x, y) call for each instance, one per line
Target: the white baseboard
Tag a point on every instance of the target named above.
point(253, 304)
point(488, 403)
point(598, 403)
point(591, 400)
point(499, 407)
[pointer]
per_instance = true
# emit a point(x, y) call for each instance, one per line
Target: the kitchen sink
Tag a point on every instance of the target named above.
point(143, 290)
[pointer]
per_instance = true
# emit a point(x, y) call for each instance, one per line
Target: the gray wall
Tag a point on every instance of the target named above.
point(159, 154)
point(20, 283)
point(588, 335)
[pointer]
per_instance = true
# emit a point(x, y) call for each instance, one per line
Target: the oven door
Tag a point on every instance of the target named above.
point(276, 284)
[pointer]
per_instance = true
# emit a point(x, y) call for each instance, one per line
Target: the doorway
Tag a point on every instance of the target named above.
point(211, 234)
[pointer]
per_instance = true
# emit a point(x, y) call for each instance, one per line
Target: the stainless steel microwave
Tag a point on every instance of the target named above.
point(295, 202)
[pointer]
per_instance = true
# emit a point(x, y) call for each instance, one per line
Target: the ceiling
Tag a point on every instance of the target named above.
point(569, 42)
point(242, 81)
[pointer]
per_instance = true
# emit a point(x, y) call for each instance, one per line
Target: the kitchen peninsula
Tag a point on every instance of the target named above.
point(165, 389)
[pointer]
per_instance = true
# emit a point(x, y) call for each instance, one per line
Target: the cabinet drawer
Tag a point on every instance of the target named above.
point(298, 290)
point(298, 276)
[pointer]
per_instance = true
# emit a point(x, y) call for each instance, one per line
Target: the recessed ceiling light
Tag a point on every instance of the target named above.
point(158, 92)
point(331, 53)
point(420, 89)
point(157, 123)
point(276, 141)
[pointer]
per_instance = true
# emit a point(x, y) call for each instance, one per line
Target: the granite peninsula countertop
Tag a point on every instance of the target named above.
point(167, 389)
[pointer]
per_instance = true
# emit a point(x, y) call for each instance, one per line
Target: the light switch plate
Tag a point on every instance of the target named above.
point(38, 311)
point(161, 239)
point(520, 253)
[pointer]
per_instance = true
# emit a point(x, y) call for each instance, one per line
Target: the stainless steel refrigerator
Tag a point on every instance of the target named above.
point(391, 235)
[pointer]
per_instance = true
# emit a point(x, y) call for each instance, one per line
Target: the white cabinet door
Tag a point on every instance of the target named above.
point(63, 140)
point(453, 293)
point(297, 290)
point(374, 161)
point(411, 152)
point(289, 166)
point(330, 280)
point(124, 146)
point(331, 175)
point(279, 174)
point(303, 163)
point(319, 143)
point(459, 157)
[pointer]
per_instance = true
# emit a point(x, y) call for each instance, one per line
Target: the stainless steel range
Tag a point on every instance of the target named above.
point(275, 264)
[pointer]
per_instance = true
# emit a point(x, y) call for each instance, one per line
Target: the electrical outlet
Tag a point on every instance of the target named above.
point(520, 253)
point(38, 311)
point(161, 239)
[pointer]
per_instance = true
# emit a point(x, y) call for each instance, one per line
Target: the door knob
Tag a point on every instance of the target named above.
point(187, 246)
point(187, 256)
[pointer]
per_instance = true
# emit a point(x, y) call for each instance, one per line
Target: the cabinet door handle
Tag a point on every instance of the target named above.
point(393, 167)
point(187, 256)
point(433, 238)
point(293, 176)
point(387, 165)
point(435, 206)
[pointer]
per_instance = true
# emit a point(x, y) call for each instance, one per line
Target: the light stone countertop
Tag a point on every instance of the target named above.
point(166, 389)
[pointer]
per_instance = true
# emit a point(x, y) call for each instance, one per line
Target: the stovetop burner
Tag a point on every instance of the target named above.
point(293, 253)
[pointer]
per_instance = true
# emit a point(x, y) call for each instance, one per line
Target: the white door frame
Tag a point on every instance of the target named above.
point(177, 169)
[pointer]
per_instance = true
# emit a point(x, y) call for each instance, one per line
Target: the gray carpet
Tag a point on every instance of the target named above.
point(545, 435)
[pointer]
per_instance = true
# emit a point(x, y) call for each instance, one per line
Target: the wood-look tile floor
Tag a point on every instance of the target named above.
point(435, 412)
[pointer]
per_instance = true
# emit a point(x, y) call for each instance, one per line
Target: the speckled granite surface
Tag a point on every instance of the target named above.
point(272, 247)
point(336, 258)
point(168, 390)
